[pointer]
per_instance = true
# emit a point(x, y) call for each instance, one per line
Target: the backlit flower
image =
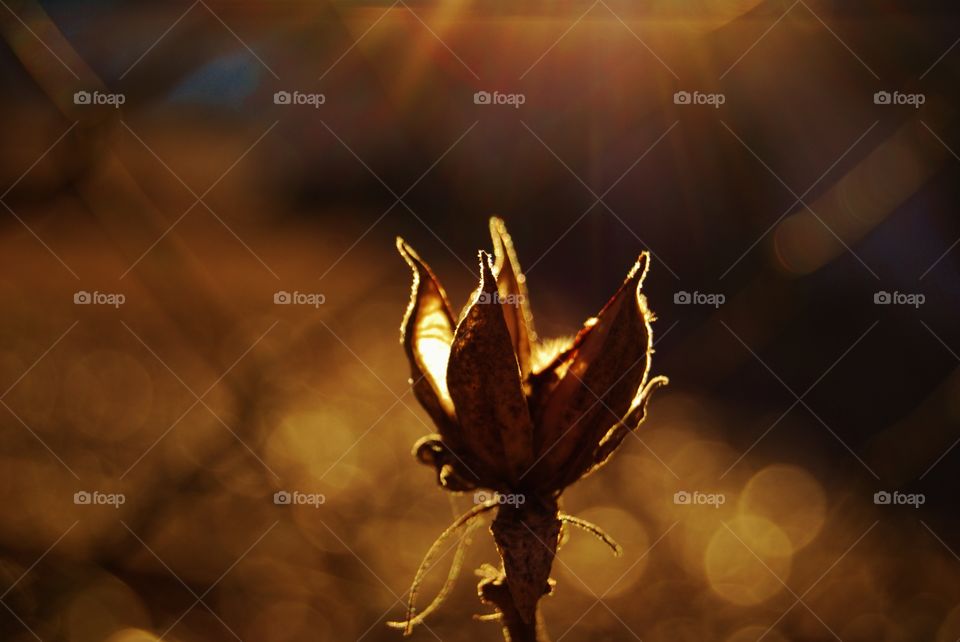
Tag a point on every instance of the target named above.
point(520, 418)
point(516, 414)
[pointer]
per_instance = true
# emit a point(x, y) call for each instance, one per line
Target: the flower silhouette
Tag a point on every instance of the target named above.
point(520, 416)
point(515, 413)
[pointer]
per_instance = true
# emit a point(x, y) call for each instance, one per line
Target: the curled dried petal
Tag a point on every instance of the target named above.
point(426, 335)
point(484, 382)
point(452, 471)
point(512, 286)
point(600, 377)
point(614, 437)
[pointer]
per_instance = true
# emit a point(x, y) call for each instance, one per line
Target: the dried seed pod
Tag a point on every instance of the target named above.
point(522, 417)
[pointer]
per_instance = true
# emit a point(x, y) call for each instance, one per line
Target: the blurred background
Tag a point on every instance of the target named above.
point(801, 208)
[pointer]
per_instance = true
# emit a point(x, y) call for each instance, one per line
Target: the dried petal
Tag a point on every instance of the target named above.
point(604, 370)
point(426, 335)
point(452, 472)
point(512, 286)
point(502, 398)
point(551, 360)
point(614, 437)
point(484, 382)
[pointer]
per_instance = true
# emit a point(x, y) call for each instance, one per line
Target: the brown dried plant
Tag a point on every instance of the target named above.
point(520, 419)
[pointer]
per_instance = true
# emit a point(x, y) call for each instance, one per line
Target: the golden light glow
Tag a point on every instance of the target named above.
point(133, 635)
point(587, 565)
point(754, 633)
point(745, 559)
point(317, 399)
point(789, 497)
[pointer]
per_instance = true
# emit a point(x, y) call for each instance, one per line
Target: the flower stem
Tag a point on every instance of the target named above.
point(514, 627)
point(526, 537)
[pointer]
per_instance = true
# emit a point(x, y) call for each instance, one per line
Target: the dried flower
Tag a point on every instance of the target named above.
point(521, 417)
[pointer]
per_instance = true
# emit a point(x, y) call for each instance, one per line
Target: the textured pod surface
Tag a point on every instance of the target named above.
point(530, 417)
point(526, 538)
point(608, 364)
point(484, 382)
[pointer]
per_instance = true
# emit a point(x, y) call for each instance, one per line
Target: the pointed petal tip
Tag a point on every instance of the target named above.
point(488, 282)
point(499, 234)
point(639, 270)
point(405, 250)
point(413, 259)
point(502, 244)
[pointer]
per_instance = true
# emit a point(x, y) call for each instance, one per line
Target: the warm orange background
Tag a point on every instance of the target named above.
point(276, 197)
